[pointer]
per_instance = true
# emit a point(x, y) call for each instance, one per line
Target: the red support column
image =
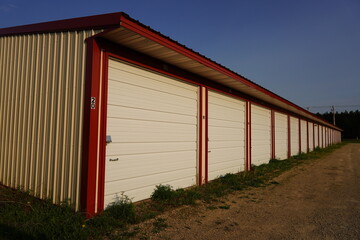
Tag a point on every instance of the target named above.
point(272, 134)
point(248, 136)
point(206, 135)
point(299, 136)
point(90, 149)
point(289, 137)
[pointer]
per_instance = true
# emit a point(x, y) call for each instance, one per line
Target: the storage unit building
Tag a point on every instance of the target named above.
point(92, 108)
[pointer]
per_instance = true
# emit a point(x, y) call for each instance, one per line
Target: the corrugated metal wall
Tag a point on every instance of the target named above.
point(41, 109)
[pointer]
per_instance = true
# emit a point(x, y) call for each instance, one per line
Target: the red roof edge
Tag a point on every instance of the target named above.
point(103, 21)
point(156, 36)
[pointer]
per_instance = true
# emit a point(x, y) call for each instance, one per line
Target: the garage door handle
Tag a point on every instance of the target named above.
point(209, 151)
point(113, 159)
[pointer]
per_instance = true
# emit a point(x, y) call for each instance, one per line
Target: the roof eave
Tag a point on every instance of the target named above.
point(104, 21)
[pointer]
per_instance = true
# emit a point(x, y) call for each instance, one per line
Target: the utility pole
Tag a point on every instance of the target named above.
point(333, 109)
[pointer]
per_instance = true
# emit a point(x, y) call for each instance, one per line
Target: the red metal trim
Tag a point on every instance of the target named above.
point(141, 60)
point(272, 134)
point(114, 20)
point(246, 136)
point(131, 56)
point(299, 136)
point(103, 21)
point(200, 135)
point(139, 28)
point(206, 135)
point(90, 129)
point(250, 139)
point(103, 129)
point(289, 137)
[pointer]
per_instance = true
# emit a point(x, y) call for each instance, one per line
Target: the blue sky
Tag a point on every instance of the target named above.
point(305, 51)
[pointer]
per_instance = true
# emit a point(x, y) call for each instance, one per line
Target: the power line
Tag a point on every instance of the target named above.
point(332, 108)
point(337, 106)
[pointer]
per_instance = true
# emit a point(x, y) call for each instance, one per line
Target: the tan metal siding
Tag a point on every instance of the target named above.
point(41, 108)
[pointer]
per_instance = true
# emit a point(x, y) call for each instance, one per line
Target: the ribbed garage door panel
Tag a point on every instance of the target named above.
point(152, 120)
point(226, 135)
point(260, 135)
point(320, 136)
point(294, 135)
point(311, 137)
point(316, 133)
point(303, 136)
point(281, 136)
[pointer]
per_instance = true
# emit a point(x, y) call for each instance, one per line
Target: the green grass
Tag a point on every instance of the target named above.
point(351, 141)
point(25, 217)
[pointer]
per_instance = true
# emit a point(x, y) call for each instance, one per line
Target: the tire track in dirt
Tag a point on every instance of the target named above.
point(319, 200)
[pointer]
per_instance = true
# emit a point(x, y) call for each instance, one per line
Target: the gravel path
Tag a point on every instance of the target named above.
point(319, 200)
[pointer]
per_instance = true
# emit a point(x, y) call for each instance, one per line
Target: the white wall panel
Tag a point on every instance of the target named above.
point(260, 135)
point(303, 136)
point(152, 120)
point(281, 135)
point(226, 132)
point(294, 135)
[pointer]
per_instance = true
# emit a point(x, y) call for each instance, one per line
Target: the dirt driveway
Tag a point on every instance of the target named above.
point(320, 200)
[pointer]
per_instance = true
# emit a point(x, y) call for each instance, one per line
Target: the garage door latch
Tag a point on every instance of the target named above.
point(113, 159)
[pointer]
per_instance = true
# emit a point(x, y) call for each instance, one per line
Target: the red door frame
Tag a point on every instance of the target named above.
point(90, 149)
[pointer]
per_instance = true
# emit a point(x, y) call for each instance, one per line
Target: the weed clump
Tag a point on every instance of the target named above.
point(122, 209)
point(166, 194)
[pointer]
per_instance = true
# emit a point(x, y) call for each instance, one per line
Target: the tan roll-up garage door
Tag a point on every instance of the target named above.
point(294, 135)
point(303, 126)
point(311, 136)
point(320, 136)
point(226, 132)
point(316, 133)
point(260, 135)
point(281, 136)
point(152, 121)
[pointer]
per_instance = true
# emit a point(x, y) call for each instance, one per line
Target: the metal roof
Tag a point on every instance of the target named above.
point(120, 28)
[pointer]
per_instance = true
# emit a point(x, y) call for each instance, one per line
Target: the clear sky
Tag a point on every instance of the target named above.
point(306, 51)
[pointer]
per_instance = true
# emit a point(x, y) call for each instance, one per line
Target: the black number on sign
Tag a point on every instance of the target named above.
point(93, 103)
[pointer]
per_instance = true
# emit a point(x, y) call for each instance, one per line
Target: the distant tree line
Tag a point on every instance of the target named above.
point(348, 121)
